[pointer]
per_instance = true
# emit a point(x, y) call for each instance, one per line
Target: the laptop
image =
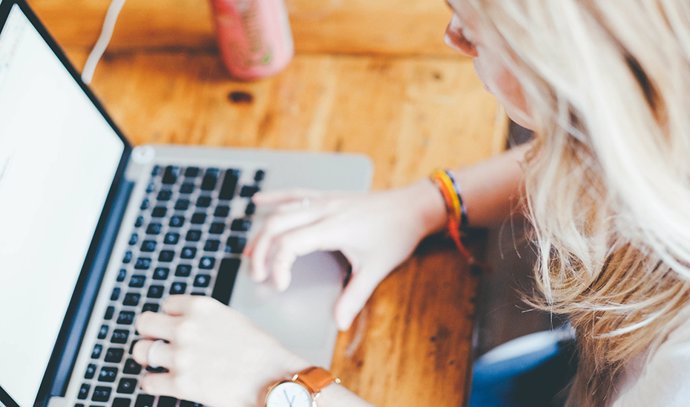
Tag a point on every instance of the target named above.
point(94, 231)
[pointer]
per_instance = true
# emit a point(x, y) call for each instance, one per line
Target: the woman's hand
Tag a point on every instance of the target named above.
point(214, 355)
point(374, 231)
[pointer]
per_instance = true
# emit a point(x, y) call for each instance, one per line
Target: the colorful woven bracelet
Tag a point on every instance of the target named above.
point(454, 209)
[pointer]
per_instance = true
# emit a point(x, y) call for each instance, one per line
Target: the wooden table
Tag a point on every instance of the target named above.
point(370, 76)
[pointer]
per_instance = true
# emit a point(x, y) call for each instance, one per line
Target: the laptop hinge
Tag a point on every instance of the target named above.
point(77, 321)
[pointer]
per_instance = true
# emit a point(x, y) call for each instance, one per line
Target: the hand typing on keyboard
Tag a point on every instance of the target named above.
point(375, 232)
point(212, 354)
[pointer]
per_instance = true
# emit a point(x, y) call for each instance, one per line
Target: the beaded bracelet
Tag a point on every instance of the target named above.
point(455, 210)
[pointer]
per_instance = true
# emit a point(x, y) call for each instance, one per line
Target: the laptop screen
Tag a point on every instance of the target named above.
point(58, 159)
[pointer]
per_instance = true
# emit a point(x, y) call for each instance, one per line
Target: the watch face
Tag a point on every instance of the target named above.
point(289, 394)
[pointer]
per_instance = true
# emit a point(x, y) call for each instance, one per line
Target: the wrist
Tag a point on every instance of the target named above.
point(428, 206)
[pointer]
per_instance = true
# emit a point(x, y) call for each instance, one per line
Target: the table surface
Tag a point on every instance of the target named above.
point(368, 77)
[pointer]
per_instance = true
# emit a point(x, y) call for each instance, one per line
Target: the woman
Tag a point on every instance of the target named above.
point(606, 184)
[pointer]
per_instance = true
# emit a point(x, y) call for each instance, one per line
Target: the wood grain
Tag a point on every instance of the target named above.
point(380, 27)
point(410, 115)
point(359, 83)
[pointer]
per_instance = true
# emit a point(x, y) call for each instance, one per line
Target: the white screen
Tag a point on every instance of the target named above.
point(58, 157)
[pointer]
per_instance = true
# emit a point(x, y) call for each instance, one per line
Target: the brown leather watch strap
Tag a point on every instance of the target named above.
point(315, 378)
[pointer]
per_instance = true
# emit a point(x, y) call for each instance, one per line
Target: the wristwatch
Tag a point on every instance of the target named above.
point(301, 390)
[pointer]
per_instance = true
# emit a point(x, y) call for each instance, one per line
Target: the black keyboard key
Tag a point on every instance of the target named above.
point(207, 263)
point(166, 256)
point(156, 170)
point(227, 190)
point(131, 367)
point(127, 258)
point(127, 385)
point(203, 202)
point(216, 228)
point(171, 238)
point(178, 288)
point(148, 246)
point(188, 253)
point(150, 187)
point(90, 371)
point(103, 332)
point(170, 174)
point(212, 245)
point(236, 244)
point(144, 400)
point(143, 263)
point(145, 204)
point(193, 235)
point(187, 188)
point(132, 345)
point(154, 229)
point(121, 275)
point(241, 225)
point(137, 281)
point(182, 204)
point(107, 374)
point(198, 218)
point(225, 281)
point(133, 239)
point(131, 299)
point(192, 172)
point(164, 195)
point(121, 402)
point(222, 211)
point(208, 183)
point(109, 312)
point(101, 393)
point(114, 355)
point(185, 403)
point(157, 369)
point(250, 210)
point(120, 336)
point(155, 291)
point(249, 191)
point(149, 306)
point(139, 222)
point(97, 351)
point(84, 392)
point(202, 280)
point(183, 270)
point(125, 318)
point(159, 212)
point(165, 401)
point(199, 293)
point(176, 221)
point(115, 295)
point(161, 273)
point(259, 175)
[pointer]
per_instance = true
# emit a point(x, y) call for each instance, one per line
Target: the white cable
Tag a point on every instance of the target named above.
point(103, 40)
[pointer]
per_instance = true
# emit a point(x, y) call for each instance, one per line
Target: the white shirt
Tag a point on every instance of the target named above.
point(663, 377)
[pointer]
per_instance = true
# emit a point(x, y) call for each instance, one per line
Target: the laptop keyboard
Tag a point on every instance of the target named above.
point(187, 239)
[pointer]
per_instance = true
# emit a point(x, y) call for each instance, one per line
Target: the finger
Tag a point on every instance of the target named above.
point(355, 296)
point(156, 325)
point(159, 384)
point(153, 353)
point(295, 243)
point(276, 225)
point(177, 305)
point(284, 196)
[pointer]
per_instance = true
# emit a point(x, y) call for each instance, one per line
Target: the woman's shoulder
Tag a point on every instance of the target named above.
point(661, 377)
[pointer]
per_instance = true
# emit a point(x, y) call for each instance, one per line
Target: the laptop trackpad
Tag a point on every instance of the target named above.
point(301, 318)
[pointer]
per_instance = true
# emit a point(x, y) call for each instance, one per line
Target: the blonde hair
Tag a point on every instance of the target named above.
point(607, 85)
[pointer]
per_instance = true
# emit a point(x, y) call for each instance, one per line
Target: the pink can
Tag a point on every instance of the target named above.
point(254, 37)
